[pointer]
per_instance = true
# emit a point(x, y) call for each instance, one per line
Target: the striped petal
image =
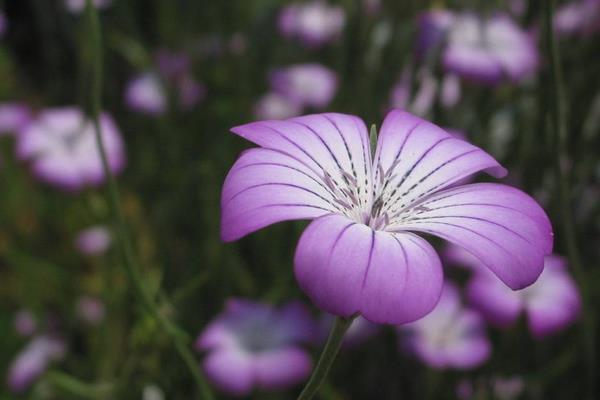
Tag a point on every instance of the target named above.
point(347, 268)
point(415, 158)
point(306, 167)
point(502, 226)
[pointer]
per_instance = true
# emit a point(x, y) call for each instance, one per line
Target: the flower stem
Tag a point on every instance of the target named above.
point(179, 337)
point(559, 132)
point(332, 347)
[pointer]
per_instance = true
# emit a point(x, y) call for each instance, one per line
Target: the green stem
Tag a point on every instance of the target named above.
point(79, 388)
point(179, 337)
point(332, 347)
point(559, 131)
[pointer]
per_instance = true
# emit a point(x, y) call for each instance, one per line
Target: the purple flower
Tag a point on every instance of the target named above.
point(432, 29)
point(276, 106)
point(93, 241)
point(359, 255)
point(25, 323)
point(489, 50)
point(551, 304)
point(146, 94)
point(33, 361)
point(77, 6)
point(313, 23)
point(91, 310)
point(14, 117)
point(60, 143)
point(451, 336)
point(311, 85)
point(580, 17)
point(256, 345)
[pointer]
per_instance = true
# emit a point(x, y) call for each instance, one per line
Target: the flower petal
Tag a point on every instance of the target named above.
point(499, 304)
point(415, 158)
point(347, 268)
point(449, 336)
point(502, 226)
point(231, 370)
point(307, 168)
point(281, 368)
point(553, 302)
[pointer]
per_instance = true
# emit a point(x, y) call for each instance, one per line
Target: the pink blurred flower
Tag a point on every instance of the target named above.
point(579, 17)
point(256, 345)
point(146, 94)
point(360, 247)
point(451, 336)
point(276, 106)
point(33, 361)
point(427, 90)
point(25, 323)
point(314, 23)
point(432, 28)
point(311, 85)
point(450, 91)
point(60, 144)
point(551, 304)
point(93, 241)
point(77, 6)
point(14, 117)
point(91, 310)
point(491, 50)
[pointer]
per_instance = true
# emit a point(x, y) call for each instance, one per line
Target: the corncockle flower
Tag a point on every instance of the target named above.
point(146, 94)
point(93, 241)
point(13, 117)
point(451, 336)
point(359, 331)
point(313, 23)
point(432, 28)
point(60, 143)
point(360, 255)
point(551, 304)
point(33, 361)
point(25, 323)
point(276, 106)
point(256, 345)
point(77, 6)
point(489, 50)
point(310, 85)
point(91, 310)
point(578, 17)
